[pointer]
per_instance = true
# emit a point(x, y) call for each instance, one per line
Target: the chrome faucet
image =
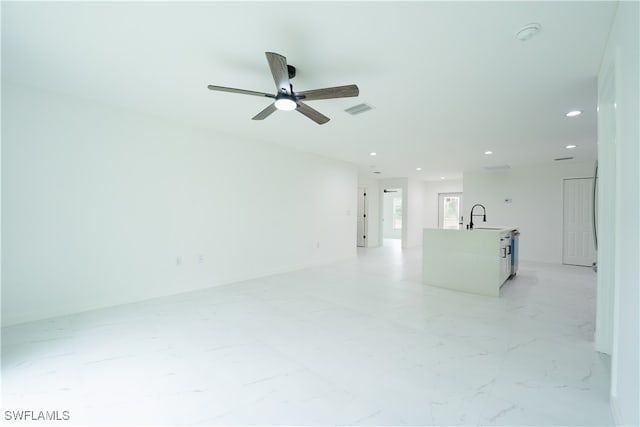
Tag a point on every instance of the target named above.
point(471, 215)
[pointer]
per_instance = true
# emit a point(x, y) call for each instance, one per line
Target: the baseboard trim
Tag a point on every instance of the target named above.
point(22, 318)
point(617, 418)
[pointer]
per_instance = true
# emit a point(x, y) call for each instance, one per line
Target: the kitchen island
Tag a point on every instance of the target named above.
point(477, 261)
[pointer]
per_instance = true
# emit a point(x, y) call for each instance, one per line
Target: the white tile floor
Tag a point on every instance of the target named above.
point(355, 343)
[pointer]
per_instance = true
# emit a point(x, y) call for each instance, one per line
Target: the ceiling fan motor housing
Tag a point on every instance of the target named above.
point(292, 71)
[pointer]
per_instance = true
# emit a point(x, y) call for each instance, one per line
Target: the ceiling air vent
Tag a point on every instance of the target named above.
point(497, 168)
point(563, 158)
point(357, 109)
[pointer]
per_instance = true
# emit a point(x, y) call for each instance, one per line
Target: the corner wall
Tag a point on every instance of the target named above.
point(414, 214)
point(103, 207)
point(536, 203)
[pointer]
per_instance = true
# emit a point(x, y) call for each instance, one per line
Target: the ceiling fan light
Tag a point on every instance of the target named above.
point(285, 104)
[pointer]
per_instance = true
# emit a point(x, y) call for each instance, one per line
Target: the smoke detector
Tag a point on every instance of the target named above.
point(528, 31)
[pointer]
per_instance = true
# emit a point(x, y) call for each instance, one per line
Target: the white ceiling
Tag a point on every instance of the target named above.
point(448, 80)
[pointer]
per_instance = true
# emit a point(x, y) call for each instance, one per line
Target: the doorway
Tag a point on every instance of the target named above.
point(392, 208)
point(449, 210)
point(577, 233)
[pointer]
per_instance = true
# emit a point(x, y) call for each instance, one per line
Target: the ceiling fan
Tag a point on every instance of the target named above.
point(285, 98)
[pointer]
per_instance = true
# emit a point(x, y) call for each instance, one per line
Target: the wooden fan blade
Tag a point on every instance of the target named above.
point(242, 91)
point(265, 113)
point(330, 92)
point(313, 114)
point(280, 72)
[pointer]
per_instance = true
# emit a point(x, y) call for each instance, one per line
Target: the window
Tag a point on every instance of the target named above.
point(397, 214)
point(449, 207)
point(451, 212)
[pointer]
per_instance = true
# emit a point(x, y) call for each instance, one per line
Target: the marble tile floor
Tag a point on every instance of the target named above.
point(361, 342)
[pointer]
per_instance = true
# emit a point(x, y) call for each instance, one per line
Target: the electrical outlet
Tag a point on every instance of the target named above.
point(318, 244)
point(179, 260)
point(200, 259)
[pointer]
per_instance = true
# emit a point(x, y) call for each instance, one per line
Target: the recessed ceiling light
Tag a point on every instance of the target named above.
point(418, 169)
point(488, 153)
point(373, 153)
point(570, 146)
point(442, 177)
point(528, 31)
point(573, 113)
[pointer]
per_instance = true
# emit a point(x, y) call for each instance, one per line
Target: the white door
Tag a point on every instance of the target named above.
point(362, 217)
point(449, 210)
point(578, 247)
point(606, 254)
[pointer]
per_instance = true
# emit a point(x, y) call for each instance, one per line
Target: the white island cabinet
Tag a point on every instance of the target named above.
point(477, 261)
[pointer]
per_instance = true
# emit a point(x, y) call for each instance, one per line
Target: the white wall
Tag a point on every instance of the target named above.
point(98, 203)
point(623, 52)
point(1, 185)
point(414, 206)
point(388, 231)
point(430, 191)
point(536, 207)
